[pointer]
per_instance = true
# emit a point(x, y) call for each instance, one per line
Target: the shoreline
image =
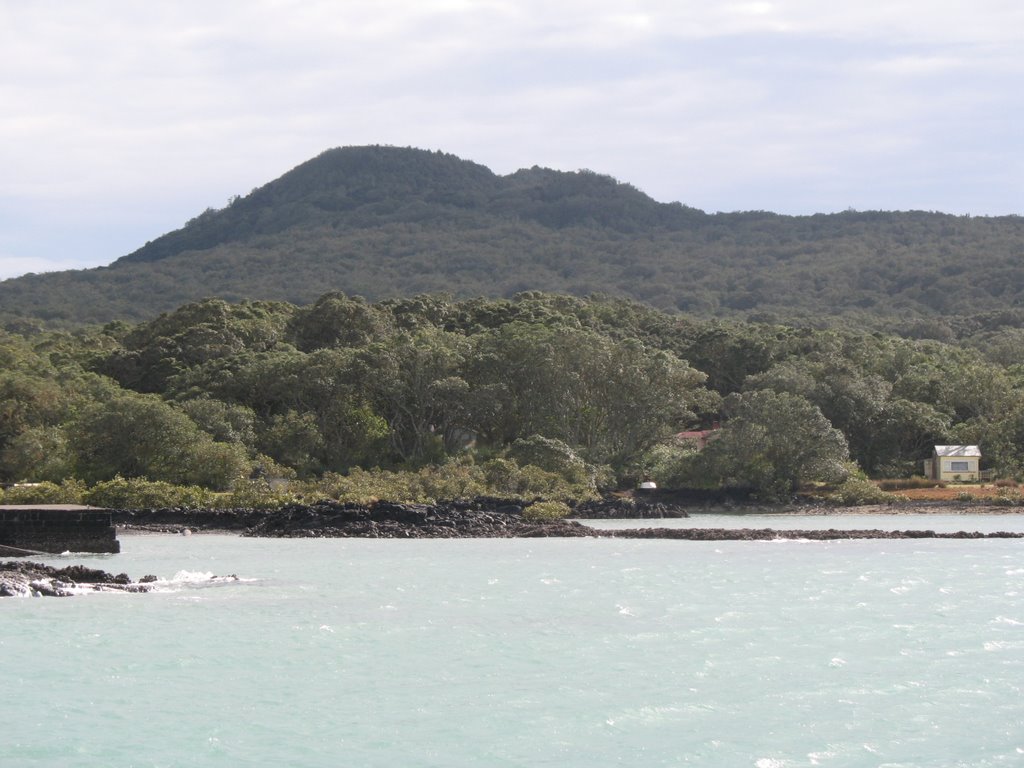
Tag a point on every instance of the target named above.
point(461, 521)
point(916, 509)
point(922, 508)
point(496, 518)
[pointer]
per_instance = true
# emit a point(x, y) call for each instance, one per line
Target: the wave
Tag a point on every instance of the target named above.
point(196, 579)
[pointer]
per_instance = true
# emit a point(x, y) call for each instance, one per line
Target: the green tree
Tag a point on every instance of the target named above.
point(293, 439)
point(853, 400)
point(772, 443)
point(142, 436)
point(414, 383)
point(37, 454)
point(607, 398)
point(336, 320)
point(224, 422)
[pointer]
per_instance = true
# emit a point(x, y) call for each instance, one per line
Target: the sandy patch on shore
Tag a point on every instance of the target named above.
point(899, 508)
point(951, 492)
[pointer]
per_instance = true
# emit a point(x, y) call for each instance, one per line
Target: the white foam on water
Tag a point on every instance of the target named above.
point(995, 645)
point(21, 590)
point(1007, 620)
point(193, 579)
point(63, 587)
point(650, 714)
point(769, 762)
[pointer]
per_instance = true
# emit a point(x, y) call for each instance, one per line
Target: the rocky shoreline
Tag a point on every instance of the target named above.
point(772, 534)
point(27, 579)
point(477, 518)
point(499, 518)
point(457, 514)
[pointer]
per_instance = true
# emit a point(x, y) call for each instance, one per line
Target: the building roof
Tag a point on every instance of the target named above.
point(957, 450)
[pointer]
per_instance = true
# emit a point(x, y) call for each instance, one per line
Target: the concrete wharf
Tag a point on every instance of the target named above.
point(34, 529)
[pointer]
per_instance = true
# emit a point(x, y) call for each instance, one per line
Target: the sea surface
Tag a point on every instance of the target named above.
point(529, 652)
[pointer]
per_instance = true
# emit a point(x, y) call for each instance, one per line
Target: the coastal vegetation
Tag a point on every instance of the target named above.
point(542, 396)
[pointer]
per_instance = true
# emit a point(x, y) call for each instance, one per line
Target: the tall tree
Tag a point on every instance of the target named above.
point(772, 443)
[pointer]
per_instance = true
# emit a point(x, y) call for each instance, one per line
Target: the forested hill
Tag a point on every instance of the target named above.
point(385, 222)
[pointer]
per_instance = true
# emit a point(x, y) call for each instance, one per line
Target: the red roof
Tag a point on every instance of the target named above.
point(699, 436)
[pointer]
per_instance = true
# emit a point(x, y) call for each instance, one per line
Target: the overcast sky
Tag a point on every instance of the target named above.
point(120, 120)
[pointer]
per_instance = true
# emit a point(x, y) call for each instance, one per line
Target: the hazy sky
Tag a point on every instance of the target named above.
point(120, 120)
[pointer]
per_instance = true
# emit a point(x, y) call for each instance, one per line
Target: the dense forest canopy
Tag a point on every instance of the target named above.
point(386, 222)
point(594, 389)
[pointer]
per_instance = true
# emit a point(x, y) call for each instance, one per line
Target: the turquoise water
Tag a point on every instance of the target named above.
point(526, 653)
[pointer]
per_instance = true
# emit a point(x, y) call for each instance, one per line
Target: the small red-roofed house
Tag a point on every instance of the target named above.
point(697, 438)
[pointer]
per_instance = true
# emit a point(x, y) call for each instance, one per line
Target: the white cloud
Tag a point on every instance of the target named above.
point(14, 266)
point(158, 110)
point(919, 65)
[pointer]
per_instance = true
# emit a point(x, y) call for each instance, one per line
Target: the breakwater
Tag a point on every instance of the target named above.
point(480, 514)
point(387, 520)
point(478, 518)
point(26, 529)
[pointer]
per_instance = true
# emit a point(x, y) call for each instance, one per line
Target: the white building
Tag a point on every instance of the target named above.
point(954, 462)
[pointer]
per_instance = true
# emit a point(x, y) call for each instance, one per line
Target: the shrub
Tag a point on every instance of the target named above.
point(1008, 497)
point(364, 486)
point(255, 494)
point(857, 489)
point(550, 454)
point(140, 493)
point(1005, 482)
point(456, 479)
point(670, 465)
point(541, 511)
point(554, 456)
point(504, 477)
point(67, 492)
point(907, 483)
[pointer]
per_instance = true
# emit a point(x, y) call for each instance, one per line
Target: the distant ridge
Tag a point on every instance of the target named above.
point(359, 186)
point(387, 221)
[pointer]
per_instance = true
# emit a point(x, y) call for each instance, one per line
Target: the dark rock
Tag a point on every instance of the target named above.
point(481, 517)
point(626, 508)
point(20, 579)
point(769, 534)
